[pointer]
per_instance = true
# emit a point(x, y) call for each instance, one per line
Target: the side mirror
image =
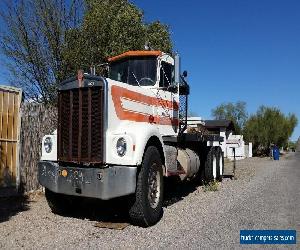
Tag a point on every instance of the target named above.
point(184, 74)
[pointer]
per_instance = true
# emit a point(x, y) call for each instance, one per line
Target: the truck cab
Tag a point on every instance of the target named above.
point(151, 74)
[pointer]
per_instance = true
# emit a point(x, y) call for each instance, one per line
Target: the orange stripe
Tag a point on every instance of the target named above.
point(119, 92)
point(135, 53)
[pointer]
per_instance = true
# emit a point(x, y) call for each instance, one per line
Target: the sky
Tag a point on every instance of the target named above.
point(236, 50)
point(233, 50)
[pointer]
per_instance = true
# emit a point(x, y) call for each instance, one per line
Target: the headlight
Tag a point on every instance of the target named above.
point(121, 146)
point(48, 144)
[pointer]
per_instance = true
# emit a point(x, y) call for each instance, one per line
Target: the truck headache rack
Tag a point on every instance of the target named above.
point(184, 92)
point(80, 120)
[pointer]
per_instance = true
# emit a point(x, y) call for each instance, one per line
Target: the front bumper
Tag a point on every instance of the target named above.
point(106, 183)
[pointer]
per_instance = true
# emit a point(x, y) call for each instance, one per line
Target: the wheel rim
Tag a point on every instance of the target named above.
point(154, 186)
point(214, 167)
point(221, 165)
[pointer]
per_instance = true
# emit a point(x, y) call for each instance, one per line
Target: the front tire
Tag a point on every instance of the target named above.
point(147, 206)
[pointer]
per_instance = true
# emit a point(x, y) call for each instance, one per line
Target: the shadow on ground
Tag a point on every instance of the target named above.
point(112, 211)
point(116, 210)
point(10, 206)
point(175, 190)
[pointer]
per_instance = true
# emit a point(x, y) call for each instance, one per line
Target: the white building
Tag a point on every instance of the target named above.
point(232, 144)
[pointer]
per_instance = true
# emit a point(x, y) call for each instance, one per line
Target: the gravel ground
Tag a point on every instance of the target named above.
point(265, 195)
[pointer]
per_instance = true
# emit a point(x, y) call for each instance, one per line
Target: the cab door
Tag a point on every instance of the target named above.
point(168, 100)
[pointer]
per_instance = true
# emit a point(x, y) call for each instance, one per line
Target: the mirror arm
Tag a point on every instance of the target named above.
point(172, 88)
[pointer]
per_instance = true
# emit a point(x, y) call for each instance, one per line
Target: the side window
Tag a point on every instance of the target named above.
point(166, 74)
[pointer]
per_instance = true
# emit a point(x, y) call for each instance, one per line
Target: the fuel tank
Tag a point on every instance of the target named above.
point(189, 162)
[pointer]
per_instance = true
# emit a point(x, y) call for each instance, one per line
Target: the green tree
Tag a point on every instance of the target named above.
point(158, 36)
point(236, 112)
point(111, 27)
point(269, 126)
point(298, 145)
point(47, 41)
point(292, 145)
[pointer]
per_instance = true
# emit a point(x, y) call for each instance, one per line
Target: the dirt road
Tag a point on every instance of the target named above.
point(266, 195)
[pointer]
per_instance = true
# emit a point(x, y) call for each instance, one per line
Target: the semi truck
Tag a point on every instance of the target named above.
point(124, 134)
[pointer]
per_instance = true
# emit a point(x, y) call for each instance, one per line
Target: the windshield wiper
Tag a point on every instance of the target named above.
point(136, 79)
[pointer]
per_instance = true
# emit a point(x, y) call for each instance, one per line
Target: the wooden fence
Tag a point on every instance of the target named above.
point(10, 99)
point(37, 120)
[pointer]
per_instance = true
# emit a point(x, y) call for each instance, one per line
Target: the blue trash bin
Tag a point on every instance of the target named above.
point(276, 153)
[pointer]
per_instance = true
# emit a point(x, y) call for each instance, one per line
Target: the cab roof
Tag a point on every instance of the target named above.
point(135, 54)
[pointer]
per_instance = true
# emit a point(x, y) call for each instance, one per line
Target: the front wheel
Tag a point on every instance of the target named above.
point(147, 206)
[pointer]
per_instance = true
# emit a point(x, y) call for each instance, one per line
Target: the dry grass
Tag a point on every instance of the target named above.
point(212, 186)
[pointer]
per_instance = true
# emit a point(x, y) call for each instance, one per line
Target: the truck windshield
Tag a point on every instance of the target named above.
point(134, 71)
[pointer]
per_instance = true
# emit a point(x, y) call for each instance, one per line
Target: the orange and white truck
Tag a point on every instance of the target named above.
point(122, 135)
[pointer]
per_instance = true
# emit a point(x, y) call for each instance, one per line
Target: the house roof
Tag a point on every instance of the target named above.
point(211, 124)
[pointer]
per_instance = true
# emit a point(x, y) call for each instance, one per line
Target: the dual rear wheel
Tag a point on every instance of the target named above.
point(214, 165)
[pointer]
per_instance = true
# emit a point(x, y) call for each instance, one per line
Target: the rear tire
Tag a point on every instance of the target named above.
point(220, 164)
point(59, 203)
point(147, 206)
point(210, 169)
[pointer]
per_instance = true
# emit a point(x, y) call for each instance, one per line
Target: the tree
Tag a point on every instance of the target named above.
point(269, 126)
point(236, 112)
point(298, 145)
point(32, 41)
point(111, 27)
point(48, 41)
point(291, 145)
point(158, 36)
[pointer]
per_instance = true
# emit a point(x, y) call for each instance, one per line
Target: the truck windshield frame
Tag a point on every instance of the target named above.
point(135, 71)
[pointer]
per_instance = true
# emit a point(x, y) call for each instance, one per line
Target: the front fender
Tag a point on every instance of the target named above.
point(137, 136)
